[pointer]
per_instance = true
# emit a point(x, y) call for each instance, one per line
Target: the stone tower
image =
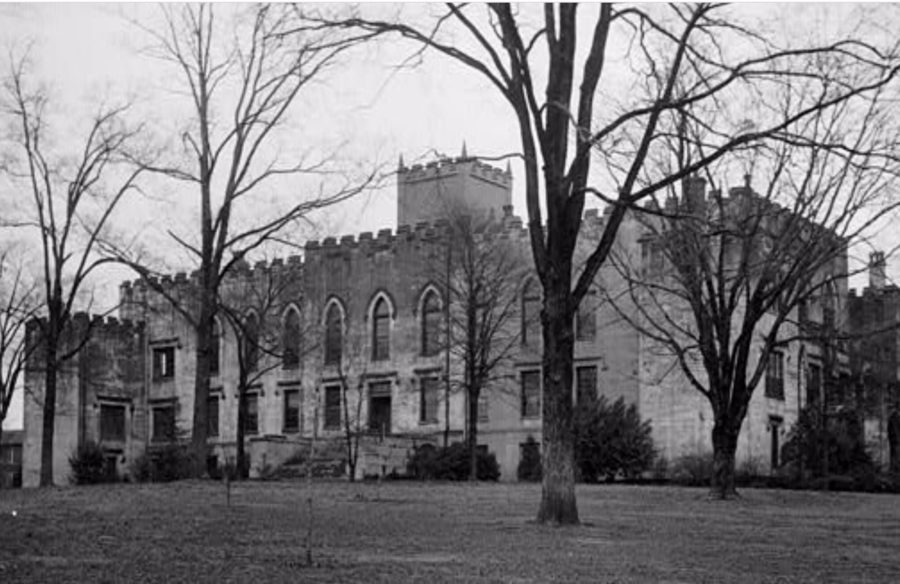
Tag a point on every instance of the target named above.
point(441, 188)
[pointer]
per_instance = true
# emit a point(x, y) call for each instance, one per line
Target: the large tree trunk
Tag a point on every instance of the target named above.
point(725, 436)
point(201, 383)
point(473, 436)
point(48, 425)
point(558, 459)
point(240, 460)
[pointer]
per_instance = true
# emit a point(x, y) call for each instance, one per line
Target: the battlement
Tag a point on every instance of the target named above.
point(100, 327)
point(447, 167)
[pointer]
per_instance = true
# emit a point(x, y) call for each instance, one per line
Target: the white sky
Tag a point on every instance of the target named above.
point(91, 52)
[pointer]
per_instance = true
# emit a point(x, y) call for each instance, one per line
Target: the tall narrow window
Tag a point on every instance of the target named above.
point(214, 348)
point(775, 376)
point(291, 410)
point(163, 363)
point(332, 407)
point(586, 383)
point(531, 313)
point(163, 423)
point(428, 400)
point(585, 318)
point(431, 324)
point(381, 331)
point(775, 429)
point(531, 393)
point(251, 342)
point(212, 416)
point(251, 422)
point(813, 384)
point(333, 334)
point(290, 357)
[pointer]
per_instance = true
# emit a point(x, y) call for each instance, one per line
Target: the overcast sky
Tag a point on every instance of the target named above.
point(87, 53)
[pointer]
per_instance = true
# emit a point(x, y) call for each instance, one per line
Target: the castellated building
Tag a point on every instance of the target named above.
point(368, 310)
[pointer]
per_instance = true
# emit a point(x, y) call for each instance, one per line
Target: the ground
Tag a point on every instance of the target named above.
point(414, 532)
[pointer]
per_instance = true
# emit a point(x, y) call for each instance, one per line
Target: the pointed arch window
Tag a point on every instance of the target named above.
point(531, 313)
point(381, 330)
point(334, 333)
point(431, 324)
point(251, 342)
point(290, 340)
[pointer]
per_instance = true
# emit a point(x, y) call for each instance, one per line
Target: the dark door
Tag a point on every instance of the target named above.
point(380, 407)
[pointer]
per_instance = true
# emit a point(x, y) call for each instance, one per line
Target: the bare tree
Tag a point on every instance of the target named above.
point(701, 55)
point(17, 307)
point(482, 288)
point(727, 282)
point(241, 88)
point(351, 369)
point(72, 201)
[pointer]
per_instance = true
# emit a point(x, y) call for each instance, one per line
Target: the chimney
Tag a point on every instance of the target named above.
point(876, 270)
point(695, 194)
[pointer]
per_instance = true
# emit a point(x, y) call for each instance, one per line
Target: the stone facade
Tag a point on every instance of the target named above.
point(148, 368)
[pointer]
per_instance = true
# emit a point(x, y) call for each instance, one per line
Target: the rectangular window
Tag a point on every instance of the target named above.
point(212, 416)
point(163, 363)
point(112, 423)
point(483, 411)
point(774, 429)
point(163, 423)
point(813, 384)
point(428, 400)
point(332, 407)
point(775, 376)
point(531, 393)
point(251, 422)
point(291, 410)
point(585, 318)
point(585, 383)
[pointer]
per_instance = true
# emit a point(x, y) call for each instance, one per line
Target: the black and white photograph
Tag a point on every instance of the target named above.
point(438, 292)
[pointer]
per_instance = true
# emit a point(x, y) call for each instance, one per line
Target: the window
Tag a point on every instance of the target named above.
point(212, 416)
point(531, 393)
point(291, 410)
point(251, 342)
point(428, 400)
point(585, 383)
point(214, 348)
point(163, 363)
point(483, 411)
point(813, 384)
point(531, 307)
point(381, 331)
point(774, 429)
point(251, 421)
point(112, 423)
point(333, 334)
point(775, 376)
point(585, 318)
point(431, 324)
point(163, 423)
point(332, 407)
point(290, 340)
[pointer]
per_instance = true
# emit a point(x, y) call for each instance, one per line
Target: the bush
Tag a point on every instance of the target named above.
point(693, 470)
point(162, 464)
point(530, 469)
point(451, 464)
point(611, 440)
point(843, 438)
point(88, 465)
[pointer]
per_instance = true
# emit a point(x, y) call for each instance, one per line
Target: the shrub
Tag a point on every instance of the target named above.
point(162, 464)
point(530, 469)
point(88, 465)
point(451, 464)
point(847, 456)
point(611, 440)
point(692, 469)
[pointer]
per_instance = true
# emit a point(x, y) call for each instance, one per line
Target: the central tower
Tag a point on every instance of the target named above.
point(449, 186)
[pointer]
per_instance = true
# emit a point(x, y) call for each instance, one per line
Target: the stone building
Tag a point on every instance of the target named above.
point(365, 311)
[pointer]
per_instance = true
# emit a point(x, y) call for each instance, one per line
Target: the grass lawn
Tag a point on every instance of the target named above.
point(414, 532)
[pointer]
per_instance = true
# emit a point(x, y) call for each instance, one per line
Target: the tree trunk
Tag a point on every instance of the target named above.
point(48, 425)
point(558, 504)
point(725, 437)
point(473, 436)
point(201, 385)
point(240, 458)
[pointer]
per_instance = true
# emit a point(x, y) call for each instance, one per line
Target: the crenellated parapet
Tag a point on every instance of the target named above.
point(448, 167)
